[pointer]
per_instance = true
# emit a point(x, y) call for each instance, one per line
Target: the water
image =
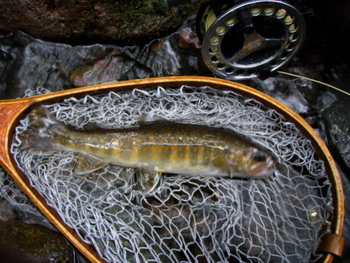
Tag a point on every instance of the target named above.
point(29, 63)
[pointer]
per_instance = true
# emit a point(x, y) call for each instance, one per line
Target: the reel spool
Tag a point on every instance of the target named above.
point(250, 39)
point(247, 39)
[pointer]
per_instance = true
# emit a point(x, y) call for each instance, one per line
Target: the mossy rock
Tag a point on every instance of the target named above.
point(119, 22)
point(21, 242)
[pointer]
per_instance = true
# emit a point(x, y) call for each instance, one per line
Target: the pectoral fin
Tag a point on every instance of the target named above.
point(148, 179)
point(87, 164)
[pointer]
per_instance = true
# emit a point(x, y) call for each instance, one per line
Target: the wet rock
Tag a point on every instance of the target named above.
point(85, 21)
point(15, 204)
point(103, 71)
point(48, 65)
point(56, 66)
point(20, 242)
point(297, 93)
point(337, 122)
point(284, 91)
point(7, 212)
point(189, 39)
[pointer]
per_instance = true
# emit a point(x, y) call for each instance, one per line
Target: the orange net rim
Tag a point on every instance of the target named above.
point(18, 107)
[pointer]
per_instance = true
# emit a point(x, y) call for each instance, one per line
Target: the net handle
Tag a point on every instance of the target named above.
point(333, 244)
point(17, 107)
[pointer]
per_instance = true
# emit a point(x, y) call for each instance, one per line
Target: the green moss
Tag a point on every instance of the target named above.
point(139, 19)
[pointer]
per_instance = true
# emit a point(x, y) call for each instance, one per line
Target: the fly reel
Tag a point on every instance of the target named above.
point(247, 39)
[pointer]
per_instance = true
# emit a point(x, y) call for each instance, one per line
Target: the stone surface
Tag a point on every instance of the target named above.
point(86, 21)
point(31, 63)
point(337, 121)
point(6, 209)
point(138, 21)
point(20, 242)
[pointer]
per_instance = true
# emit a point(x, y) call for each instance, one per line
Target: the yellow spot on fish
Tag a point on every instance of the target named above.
point(121, 153)
point(195, 149)
point(126, 146)
point(160, 150)
point(165, 156)
point(180, 148)
point(144, 149)
point(176, 157)
point(155, 156)
point(135, 149)
point(188, 147)
point(172, 147)
point(153, 148)
point(186, 156)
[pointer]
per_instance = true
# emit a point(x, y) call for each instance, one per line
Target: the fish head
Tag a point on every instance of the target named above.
point(250, 162)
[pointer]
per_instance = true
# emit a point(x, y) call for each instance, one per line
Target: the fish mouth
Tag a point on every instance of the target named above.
point(262, 170)
point(259, 171)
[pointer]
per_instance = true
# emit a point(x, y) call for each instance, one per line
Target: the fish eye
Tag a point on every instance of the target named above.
point(260, 156)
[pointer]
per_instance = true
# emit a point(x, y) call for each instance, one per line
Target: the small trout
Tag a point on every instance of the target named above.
point(156, 148)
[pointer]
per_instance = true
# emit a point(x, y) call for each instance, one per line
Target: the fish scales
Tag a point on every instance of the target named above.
point(156, 148)
point(171, 147)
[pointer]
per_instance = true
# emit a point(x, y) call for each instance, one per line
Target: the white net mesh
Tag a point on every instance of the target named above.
point(18, 202)
point(188, 219)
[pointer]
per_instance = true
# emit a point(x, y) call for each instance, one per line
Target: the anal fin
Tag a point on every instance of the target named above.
point(148, 179)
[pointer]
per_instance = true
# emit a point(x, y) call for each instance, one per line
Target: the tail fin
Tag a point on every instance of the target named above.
point(37, 135)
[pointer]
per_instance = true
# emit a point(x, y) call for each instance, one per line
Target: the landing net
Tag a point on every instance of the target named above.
point(189, 218)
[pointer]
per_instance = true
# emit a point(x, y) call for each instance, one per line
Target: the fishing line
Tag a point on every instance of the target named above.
point(314, 80)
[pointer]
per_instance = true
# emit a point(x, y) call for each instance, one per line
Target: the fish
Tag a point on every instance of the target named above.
point(152, 148)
